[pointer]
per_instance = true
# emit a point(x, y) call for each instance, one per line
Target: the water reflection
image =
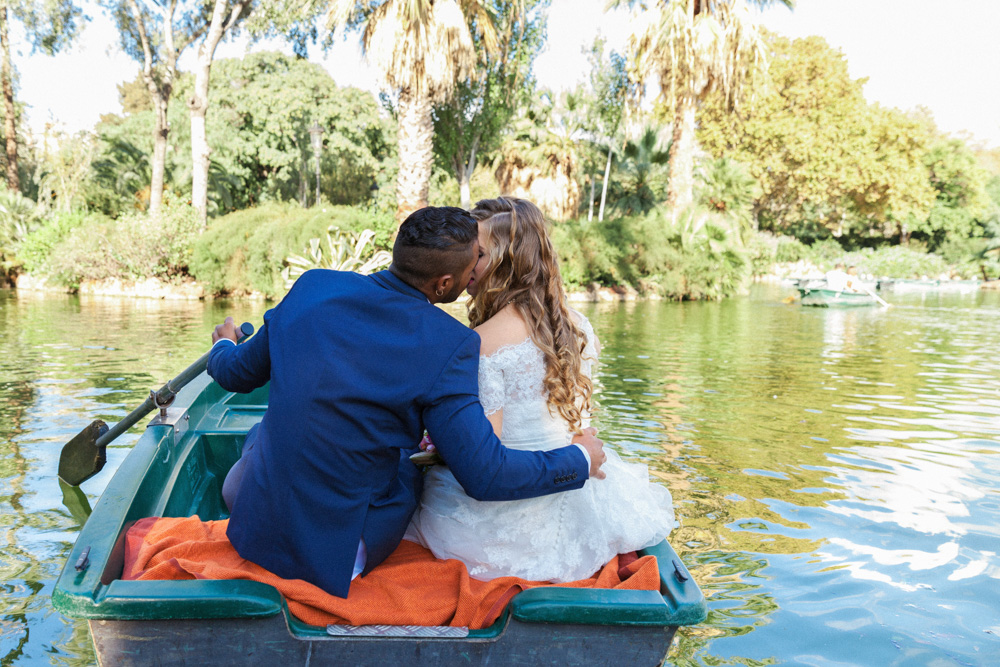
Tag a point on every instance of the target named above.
point(835, 471)
point(65, 361)
point(827, 466)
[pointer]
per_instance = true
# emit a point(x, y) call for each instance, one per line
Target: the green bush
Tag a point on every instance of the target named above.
point(827, 252)
point(133, 247)
point(245, 250)
point(585, 254)
point(790, 249)
point(18, 217)
point(38, 247)
point(697, 256)
point(764, 249)
point(896, 262)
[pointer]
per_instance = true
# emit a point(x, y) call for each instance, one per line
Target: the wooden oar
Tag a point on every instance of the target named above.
point(84, 456)
point(882, 302)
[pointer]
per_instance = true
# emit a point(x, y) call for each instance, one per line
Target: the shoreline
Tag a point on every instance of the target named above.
point(191, 290)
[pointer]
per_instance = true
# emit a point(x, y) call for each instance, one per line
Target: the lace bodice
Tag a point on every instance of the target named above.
point(512, 379)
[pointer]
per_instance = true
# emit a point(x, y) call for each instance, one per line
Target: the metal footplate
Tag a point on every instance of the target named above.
point(433, 631)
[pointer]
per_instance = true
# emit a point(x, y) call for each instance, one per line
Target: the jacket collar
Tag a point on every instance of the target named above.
point(389, 280)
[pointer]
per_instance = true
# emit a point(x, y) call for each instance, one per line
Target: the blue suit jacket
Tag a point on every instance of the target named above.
point(359, 366)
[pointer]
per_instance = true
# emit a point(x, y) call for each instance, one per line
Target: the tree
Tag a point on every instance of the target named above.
point(225, 15)
point(63, 171)
point(642, 174)
point(539, 159)
point(827, 161)
point(133, 95)
point(262, 107)
point(727, 187)
point(156, 35)
point(265, 103)
point(472, 123)
point(961, 198)
point(421, 48)
point(695, 47)
point(49, 26)
point(609, 83)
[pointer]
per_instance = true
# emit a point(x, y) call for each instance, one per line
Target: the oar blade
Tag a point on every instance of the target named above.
point(81, 458)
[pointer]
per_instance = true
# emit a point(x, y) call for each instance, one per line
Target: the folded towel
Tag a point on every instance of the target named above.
point(410, 588)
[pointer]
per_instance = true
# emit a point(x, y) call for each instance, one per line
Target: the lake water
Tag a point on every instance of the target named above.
point(835, 472)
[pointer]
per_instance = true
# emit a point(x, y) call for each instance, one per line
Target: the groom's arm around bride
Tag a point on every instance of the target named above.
point(358, 367)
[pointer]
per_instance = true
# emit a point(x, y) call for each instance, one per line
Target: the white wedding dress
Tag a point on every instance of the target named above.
point(560, 537)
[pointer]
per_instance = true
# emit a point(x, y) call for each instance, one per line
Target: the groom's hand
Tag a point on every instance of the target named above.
point(595, 448)
point(225, 330)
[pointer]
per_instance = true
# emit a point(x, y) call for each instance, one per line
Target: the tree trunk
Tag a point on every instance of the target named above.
point(160, 86)
point(200, 151)
point(465, 191)
point(593, 182)
point(198, 104)
point(416, 145)
point(303, 184)
point(680, 163)
point(10, 114)
point(604, 186)
point(161, 129)
point(465, 177)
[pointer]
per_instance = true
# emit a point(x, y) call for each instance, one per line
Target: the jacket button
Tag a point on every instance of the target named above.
point(574, 475)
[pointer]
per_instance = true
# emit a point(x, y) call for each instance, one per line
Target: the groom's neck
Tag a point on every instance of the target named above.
point(427, 290)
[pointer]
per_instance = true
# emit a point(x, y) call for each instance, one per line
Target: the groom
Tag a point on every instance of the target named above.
point(359, 366)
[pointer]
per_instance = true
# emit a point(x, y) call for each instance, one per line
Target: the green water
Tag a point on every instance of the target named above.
point(836, 472)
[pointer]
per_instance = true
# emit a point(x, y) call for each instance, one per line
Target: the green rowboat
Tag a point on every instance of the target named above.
point(828, 297)
point(176, 469)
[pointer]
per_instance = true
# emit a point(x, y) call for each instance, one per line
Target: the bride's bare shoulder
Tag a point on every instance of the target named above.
point(505, 328)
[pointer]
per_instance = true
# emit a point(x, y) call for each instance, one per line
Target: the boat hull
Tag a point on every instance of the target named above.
point(826, 298)
point(176, 469)
point(270, 641)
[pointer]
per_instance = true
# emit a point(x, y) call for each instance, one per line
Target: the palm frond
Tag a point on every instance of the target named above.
point(419, 45)
point(344, 251)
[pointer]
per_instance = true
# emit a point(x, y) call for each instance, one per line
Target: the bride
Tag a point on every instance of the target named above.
point(535, 386)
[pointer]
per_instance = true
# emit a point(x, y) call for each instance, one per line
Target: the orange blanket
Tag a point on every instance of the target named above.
point(410, 588)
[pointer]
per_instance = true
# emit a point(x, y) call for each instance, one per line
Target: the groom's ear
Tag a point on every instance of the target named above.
point(442, 285)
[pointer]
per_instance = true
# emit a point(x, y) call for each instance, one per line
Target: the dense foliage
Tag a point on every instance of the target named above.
point(695, 255)
point(263, 107)
point(246, 251)
point(831, 164)
point(71, 248)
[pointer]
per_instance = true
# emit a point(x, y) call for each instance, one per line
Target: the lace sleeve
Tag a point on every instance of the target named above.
point(491, 385)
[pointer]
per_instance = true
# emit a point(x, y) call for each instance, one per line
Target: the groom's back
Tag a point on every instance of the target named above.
point(353, 360)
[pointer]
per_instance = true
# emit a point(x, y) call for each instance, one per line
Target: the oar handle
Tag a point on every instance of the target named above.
point(166, 393)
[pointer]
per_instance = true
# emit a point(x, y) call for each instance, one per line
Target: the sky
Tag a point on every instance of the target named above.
point(940, 54)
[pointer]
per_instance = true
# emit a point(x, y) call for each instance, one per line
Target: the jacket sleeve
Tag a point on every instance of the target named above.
point(243, 368)
point(465, 440)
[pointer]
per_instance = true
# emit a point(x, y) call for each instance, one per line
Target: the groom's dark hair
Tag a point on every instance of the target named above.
point(432, 242)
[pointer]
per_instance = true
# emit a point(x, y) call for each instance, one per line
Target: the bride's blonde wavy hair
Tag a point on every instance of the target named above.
point(523, 270)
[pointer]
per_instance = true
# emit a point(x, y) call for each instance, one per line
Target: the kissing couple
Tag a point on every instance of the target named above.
point(361, 366)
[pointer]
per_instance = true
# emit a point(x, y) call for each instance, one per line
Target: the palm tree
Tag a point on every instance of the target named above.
point(420, 48)
point(641, 176)
point(694, 47)
point(727, 187)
